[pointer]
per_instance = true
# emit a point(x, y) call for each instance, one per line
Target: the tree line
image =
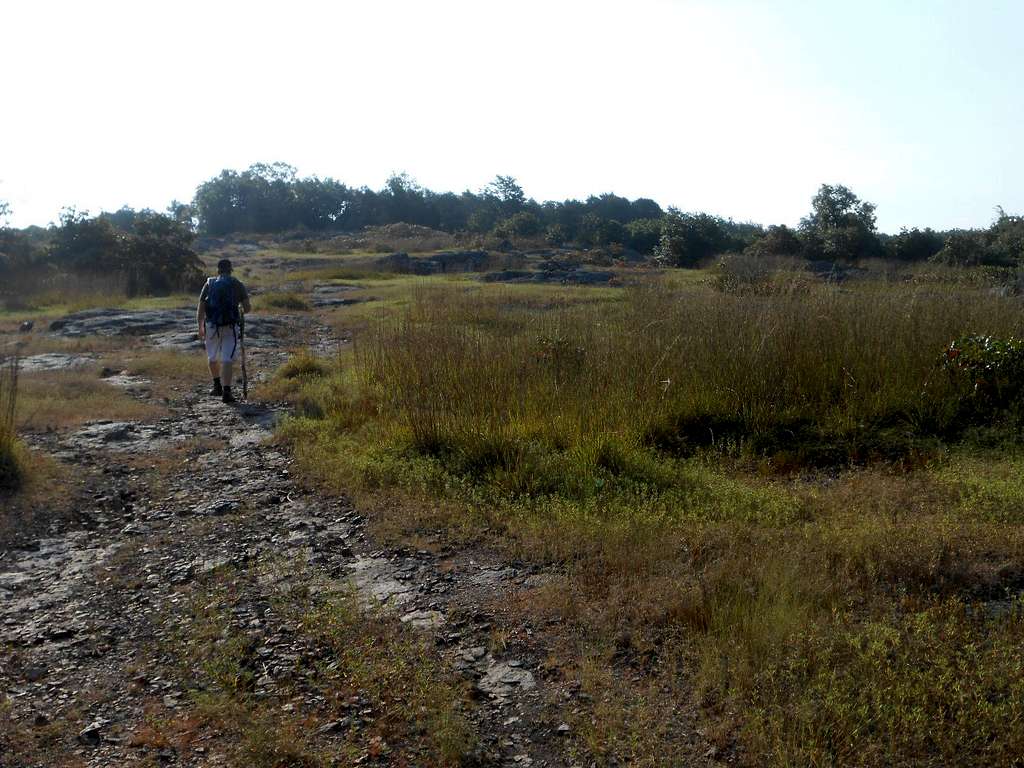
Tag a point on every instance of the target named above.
point(840, 226)
point(154, 251)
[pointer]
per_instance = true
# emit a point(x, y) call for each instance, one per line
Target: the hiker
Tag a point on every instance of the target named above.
point(219, 325)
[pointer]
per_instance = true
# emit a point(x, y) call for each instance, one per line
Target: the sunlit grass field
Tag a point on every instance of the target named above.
point(782, 511)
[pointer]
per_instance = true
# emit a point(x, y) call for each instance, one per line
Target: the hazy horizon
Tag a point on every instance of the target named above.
point(741, 109)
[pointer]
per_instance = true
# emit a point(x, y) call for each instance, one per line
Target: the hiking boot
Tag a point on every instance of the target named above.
point(217, 390)
point(227, 396)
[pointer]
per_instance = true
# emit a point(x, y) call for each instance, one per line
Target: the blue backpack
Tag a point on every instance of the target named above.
point(221, 301)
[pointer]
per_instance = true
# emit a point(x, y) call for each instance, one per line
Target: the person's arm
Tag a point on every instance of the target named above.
point(201, 314)
point(244, 294)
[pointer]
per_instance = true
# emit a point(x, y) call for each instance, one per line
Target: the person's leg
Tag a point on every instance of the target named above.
point(229, 351)
point(213, 354)
point(226, 369)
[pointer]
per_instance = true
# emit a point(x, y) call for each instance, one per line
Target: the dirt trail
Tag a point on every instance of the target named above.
point(87, 613)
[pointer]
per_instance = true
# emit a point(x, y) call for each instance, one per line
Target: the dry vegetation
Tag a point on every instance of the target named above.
point(781, 508)
point(12, 462)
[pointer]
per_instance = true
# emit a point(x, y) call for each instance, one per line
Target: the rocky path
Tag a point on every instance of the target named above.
point(90, 615)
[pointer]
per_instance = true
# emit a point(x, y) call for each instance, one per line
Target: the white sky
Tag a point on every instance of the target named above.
point(738, 108)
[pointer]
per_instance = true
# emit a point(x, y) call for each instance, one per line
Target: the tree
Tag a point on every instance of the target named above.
point(643, 235)
point(154, 256)
point(689, 238)
point(840, 225)
point(836, 206)
point(1005, 239)
point(645, 208)
point(595, 231)
point(914, 244)
point(610, 206)
point(85, 244)
point(508, 194)
point(183, 213)
point(402, 199)
point(522, 224)
point(555, 234)
point(778, 240)
point(160, 256)
point(962, 248)
point(17, 249)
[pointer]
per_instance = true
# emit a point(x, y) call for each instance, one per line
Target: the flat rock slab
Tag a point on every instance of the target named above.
point(120, 436)
point(331, 295)
point(53, 361)
point(41, 578)
point(492, 577)
point(505, 678)
point(120, 322)
point(376, 581)
point(424, 619)
point(167, 328)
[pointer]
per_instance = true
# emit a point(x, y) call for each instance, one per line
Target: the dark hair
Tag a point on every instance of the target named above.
point(224, 266)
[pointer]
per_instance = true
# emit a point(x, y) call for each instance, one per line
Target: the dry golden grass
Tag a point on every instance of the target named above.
point(164, 365)
point(59, 400)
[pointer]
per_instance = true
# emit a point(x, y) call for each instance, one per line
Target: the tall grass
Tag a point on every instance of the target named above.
point(10, 462)
point(832, 375)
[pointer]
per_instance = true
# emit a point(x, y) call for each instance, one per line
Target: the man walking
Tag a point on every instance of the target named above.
point(219, 322)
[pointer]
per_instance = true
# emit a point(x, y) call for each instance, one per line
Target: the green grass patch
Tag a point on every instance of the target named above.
point(283, 300)
point(988, 486)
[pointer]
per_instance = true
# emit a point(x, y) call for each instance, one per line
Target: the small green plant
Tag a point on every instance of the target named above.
point(994, 366)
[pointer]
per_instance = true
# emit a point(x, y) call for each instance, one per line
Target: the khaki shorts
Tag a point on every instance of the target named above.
point(222, 344)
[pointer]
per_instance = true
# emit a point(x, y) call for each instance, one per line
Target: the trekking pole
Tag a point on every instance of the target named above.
point(241, 341)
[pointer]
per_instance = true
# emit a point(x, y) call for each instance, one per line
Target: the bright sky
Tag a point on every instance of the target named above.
point(740, 108)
